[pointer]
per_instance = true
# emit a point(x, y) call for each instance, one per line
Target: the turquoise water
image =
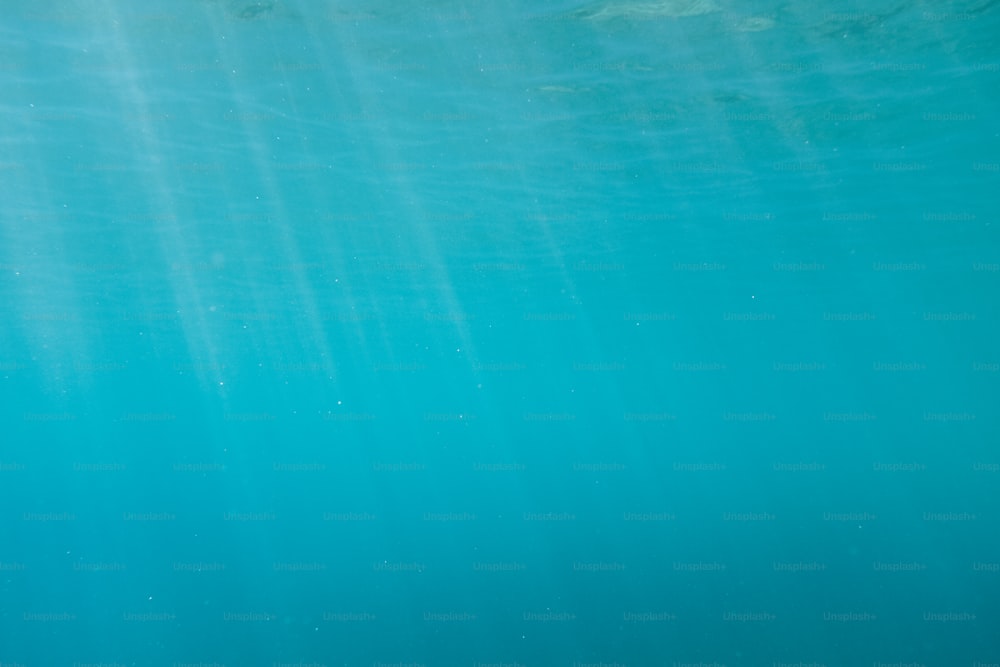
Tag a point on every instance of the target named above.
point(398, 333)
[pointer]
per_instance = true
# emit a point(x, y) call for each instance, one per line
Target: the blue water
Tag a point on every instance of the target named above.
point(466, 334)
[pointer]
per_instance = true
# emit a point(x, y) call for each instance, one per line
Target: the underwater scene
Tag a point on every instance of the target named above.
point(582, 333)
